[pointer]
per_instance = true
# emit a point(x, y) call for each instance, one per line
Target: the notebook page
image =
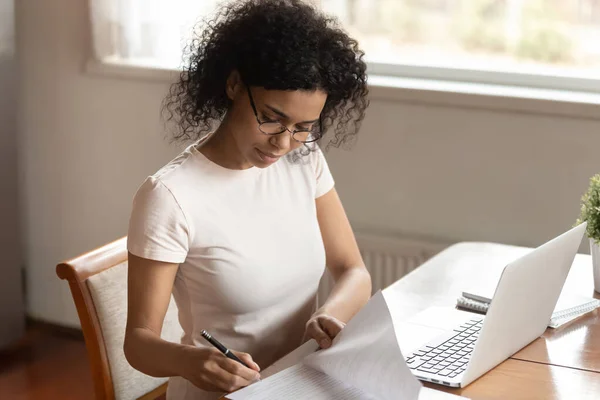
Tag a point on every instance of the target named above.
point(300, 383)
point(570, 307)
point(570, 302)
point(290, 359)
point(366, 354)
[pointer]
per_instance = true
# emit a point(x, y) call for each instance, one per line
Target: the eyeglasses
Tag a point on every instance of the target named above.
point(273, 128)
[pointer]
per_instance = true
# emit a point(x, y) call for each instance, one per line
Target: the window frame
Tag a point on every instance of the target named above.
point(564, 82)
point(410, 90)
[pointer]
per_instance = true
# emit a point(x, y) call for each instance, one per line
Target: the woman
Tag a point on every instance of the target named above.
point(240, 226)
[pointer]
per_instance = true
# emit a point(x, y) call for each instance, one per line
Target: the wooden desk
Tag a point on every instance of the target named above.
point(563, 364)
point(575, 345)
point(524, 380)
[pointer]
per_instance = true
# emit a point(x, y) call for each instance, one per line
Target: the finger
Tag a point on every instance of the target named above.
point(233, 367)
point(315, 331)
point(247, 359)
point(220, 378)
point(331, 326)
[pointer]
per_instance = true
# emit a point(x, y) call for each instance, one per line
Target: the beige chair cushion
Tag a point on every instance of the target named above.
point(109, 292)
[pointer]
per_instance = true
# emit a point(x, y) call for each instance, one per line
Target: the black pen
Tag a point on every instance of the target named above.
point(221, 348)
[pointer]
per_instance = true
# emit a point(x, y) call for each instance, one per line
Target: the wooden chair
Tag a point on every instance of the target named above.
point(98, 282)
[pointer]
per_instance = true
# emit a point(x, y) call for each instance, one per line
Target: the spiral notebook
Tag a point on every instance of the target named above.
point(567, 308)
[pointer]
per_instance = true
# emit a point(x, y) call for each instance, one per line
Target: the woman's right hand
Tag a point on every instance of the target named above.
point(210, 370)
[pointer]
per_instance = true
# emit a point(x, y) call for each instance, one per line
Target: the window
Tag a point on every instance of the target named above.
point(543, 43)
point(526, 42)
point(145, 32)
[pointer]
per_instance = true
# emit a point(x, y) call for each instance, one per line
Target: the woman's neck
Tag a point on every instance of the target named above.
point(222, 149)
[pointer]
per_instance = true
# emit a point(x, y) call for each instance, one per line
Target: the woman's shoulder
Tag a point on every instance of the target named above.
point(305, 158)
point(312, 166)
point(165, 182)
point(312, 161)
point(177, 166)
point(317, 168)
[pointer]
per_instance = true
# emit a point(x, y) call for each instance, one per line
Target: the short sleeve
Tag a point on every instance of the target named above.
point(158, 228)
point(325, 180)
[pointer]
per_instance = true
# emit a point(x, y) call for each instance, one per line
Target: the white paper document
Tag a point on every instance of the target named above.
point(366, 353)
point(300, 382)
point(363, 363)
point(290, 359)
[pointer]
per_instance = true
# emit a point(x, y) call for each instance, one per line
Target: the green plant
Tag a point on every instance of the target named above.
point(590, 209)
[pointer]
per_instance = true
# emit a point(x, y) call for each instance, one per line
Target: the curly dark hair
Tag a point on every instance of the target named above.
point(275, 44)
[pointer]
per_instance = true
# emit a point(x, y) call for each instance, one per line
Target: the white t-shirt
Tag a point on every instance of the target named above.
point(249, 249)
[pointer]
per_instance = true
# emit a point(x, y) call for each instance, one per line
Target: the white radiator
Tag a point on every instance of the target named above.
point(387, 259)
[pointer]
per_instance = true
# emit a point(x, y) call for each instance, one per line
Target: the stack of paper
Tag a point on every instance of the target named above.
point(363, 363)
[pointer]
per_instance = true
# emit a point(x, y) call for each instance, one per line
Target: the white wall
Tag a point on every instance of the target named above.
point(86, 144)
point(465, 174)
point(440, 172)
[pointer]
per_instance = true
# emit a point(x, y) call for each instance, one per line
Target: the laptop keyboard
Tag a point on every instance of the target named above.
point(447, 356)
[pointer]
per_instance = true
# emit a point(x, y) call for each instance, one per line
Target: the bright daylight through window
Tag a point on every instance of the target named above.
point(542, 40)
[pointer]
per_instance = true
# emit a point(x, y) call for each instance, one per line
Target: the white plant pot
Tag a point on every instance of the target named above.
point(595, 250)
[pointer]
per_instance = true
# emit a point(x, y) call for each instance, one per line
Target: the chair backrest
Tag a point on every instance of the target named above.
point(98, 282)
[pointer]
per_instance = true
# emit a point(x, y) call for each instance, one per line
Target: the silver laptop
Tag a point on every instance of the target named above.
point(519, 313)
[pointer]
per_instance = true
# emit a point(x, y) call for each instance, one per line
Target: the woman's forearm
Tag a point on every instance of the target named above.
point(148, 353)
point(351, 291)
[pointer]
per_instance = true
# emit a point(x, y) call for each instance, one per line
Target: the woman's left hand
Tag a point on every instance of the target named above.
point(323, 328)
